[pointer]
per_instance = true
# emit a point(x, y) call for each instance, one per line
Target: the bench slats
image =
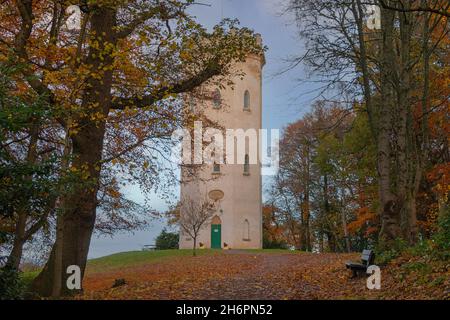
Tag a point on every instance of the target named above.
point(367, 259)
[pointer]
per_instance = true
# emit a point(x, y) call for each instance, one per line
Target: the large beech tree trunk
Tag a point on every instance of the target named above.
point(80, 205)
point(396, 132)
point(409, 157)
point(389, 207)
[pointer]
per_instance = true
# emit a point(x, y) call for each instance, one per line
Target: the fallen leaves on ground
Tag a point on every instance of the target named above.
point(239, 276)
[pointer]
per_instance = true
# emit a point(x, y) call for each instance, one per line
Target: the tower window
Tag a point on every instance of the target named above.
point(192, 104)
point(247, 165)
point(217, 99)
point(216, 168)
point(247, 101)
point(246, 226)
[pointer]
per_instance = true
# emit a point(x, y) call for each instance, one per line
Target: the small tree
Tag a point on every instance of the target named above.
point(193, 218)
point(167, 240)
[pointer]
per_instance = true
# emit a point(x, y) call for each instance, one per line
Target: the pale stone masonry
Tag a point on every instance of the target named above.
point(239, 213)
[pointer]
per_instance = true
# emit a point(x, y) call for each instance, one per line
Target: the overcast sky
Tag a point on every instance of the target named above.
point(284, 100)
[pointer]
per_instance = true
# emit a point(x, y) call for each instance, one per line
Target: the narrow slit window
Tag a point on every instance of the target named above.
point(192, 104)
point(247, 164)
point(246, 230)
point(217, 99)
point(247, 100)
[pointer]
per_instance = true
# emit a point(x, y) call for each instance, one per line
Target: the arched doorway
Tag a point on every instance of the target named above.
point(216, 233)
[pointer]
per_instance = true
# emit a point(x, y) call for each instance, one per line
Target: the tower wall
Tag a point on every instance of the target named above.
point(240, 211)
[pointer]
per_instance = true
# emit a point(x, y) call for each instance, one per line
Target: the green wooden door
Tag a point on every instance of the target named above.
point(216, 236)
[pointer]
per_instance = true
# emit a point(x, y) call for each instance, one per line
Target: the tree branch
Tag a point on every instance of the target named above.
point(213, 69)
point(443, 11)
point(159, 10)
point(25, 8)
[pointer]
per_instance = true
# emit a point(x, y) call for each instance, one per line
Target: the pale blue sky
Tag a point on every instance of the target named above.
point(284, 100)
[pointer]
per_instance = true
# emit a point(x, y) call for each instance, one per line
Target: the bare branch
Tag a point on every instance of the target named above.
point(444, 11)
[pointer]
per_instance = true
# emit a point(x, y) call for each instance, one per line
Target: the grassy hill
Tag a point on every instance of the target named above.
point(137, 258)
point(127, 259)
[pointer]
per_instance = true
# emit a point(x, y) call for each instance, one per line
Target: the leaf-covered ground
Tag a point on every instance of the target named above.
point(256, 275)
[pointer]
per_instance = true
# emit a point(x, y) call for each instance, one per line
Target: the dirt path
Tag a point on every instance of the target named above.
point(269, 279)
point(243, 276)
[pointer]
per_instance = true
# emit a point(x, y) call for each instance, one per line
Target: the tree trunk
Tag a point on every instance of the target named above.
point(194, 249)
point(402, 149)
point(358, 13)
point(344, 224)
point(58, 269)
point(330, 237)
point(80, 205)
point(308, 235)
point(307, 203)
point(331, 241)
point(321, 244)
point(19, 240)
point(390, 228)
point(15, 256)
point(409, 156)
point(79, 215)
point(426, 85)
point(302, 229)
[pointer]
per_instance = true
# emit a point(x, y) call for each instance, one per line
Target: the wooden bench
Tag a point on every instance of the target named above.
point(367, 259)
point(149, 247)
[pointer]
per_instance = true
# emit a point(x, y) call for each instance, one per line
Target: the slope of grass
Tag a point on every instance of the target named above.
point(28, 276)
point(134, 258)
point(125, 259)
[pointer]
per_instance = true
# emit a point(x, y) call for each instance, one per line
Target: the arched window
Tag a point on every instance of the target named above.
point(247, 165)
point(247, 100)
point(246, 226)
point(216, 220)
point(217, 99)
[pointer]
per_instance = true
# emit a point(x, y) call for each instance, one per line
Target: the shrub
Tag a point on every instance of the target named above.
point(418, 266)
point(273, 244)
point(11, 287)
point(167, 241)
point(384, 256)
point(4, 236)
point(442, 237)
point(422, 249)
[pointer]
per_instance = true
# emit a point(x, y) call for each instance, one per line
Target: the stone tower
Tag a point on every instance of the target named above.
point(236, 189)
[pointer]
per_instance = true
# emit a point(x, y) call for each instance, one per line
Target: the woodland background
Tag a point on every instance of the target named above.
point(83, 112)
